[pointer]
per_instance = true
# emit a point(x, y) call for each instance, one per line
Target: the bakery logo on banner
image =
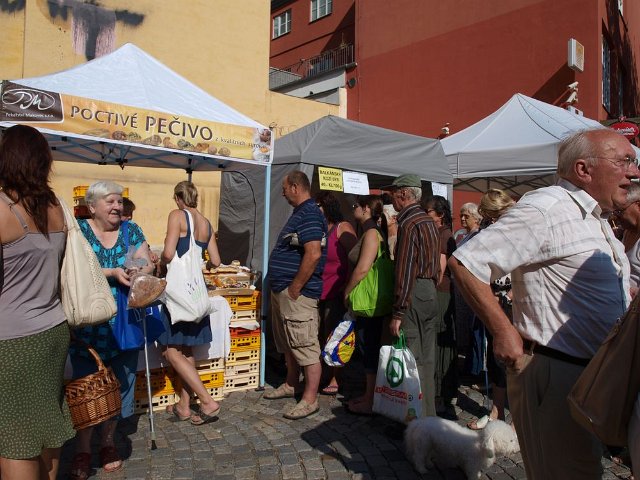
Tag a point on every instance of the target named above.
point(25, 104)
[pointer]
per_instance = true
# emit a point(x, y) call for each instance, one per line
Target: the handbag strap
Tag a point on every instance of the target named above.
point(401, 341)
point(192, 241)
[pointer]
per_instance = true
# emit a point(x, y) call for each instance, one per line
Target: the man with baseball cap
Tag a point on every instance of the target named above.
point(417, 270)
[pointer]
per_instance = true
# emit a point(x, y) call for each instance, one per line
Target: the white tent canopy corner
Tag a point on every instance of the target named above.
point(516, 146)
point(126, 83)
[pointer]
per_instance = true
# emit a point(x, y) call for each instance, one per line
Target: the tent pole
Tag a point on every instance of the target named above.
point(264, 304)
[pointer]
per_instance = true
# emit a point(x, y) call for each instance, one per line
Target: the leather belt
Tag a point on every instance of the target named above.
point(530, 346)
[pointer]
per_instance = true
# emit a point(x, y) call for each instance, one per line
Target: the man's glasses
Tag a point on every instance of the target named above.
point(625, 162)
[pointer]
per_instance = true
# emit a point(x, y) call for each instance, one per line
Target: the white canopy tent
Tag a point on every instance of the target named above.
point(184, 126)
point(516, 147)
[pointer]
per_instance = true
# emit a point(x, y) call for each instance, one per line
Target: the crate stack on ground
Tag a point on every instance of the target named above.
point(240, 371)
point(242, 367)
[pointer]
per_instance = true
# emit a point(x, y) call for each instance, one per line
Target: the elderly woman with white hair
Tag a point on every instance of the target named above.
point(470, 220)
point(109, 236)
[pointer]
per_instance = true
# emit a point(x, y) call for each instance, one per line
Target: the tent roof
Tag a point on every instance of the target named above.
point(336, 142)
point(129, 76)
point(520, 138)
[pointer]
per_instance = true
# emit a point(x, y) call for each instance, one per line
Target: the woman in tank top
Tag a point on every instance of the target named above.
point(34, 334)
point(180, 337)
point(340, 240)
point(368, 211)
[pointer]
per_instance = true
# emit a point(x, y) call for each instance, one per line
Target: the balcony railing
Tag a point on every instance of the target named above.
point(311, 67)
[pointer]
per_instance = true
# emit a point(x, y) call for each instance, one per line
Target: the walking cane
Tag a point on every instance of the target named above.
point(148, 376)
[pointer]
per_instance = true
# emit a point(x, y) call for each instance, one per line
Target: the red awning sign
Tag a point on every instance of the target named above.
point(628, 129)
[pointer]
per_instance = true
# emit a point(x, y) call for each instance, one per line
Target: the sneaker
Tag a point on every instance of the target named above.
point(283, 391)
point(302, 410)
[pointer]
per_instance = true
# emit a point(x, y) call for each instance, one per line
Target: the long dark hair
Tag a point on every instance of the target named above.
point(25, 165)
point(330, 206)
point(374, 202)
point(441, 207)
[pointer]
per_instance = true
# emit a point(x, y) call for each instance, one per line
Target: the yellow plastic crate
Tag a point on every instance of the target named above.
point(217, 393)
point(243, 356)
point(241, 369)
point(160, 402)
point(210, 364)
point(209, 379)
point(240, 382)
point(162, 383)
point(240, 315)
point(245, 342)
point(80, 191)
point(244, 302)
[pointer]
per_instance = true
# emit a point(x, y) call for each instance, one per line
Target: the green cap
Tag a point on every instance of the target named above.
point(406, 180)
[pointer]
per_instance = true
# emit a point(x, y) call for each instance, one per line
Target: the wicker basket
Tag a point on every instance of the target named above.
point(94, 398)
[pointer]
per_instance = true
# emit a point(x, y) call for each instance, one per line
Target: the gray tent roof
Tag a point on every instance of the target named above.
point(337, 142)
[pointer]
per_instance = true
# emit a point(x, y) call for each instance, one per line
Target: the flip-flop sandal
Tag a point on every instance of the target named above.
point(479, 423)
point(110, 455)
point(330, 390)
point(80, 466)
point(204, 417)
point(171, 409)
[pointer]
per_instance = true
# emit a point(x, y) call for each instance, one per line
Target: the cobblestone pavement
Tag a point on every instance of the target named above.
point(251, 440)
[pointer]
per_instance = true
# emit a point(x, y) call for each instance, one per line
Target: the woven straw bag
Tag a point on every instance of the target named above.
point(94, 398)
point(84, 290)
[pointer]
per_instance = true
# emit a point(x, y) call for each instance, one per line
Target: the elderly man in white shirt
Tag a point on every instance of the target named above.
point(570, 279)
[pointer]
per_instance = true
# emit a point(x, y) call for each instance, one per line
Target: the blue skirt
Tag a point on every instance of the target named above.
point(185, 333)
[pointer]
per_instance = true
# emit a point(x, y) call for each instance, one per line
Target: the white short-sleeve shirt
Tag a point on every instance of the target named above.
point(570, 275)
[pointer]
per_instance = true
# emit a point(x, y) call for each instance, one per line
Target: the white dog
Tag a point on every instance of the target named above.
point(443, 442)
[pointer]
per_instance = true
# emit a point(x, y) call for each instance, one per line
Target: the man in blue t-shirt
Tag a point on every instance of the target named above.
point(295, 273)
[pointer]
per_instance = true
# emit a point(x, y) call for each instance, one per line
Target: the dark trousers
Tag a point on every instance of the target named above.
point(420, 329)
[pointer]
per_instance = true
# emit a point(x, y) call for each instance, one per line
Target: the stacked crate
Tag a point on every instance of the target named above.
point(242, 368)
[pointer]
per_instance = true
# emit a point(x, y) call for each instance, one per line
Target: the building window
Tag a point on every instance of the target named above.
point(606, 74)
point(320, 8)
point(621, 77)
point(282, 24)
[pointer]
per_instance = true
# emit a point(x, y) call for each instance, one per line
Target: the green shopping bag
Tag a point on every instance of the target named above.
point(373, 295)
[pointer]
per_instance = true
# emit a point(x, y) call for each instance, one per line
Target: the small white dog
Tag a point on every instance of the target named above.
point(432, 440)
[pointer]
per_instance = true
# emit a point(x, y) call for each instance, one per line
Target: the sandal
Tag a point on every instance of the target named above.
point(330, 390)
point(479, 423)
point(302, 410)
point(172, 410)
point(201, 418)
point(109, 455)
point(80, 466)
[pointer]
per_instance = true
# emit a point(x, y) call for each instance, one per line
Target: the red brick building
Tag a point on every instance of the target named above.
point(419, 65)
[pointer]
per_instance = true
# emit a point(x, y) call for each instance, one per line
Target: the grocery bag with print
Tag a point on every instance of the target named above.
point(397, 393)
point(341, 343)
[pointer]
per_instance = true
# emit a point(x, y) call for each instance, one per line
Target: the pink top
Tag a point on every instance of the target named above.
point(336, 267)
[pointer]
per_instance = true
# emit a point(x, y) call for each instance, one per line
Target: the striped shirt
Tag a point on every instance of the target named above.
point(417, 253)
point(309, 223)
point(570, 275)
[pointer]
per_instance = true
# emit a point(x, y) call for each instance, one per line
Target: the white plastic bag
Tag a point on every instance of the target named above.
point(397, 393)
point(186, 294)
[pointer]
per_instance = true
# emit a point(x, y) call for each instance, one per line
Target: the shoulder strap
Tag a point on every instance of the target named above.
point(125, 234)
point(17, 214)
point(189, 221)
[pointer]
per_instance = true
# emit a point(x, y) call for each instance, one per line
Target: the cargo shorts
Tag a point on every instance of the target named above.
point(295, 326)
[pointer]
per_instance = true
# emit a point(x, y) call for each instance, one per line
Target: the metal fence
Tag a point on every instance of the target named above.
point(313, 66)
